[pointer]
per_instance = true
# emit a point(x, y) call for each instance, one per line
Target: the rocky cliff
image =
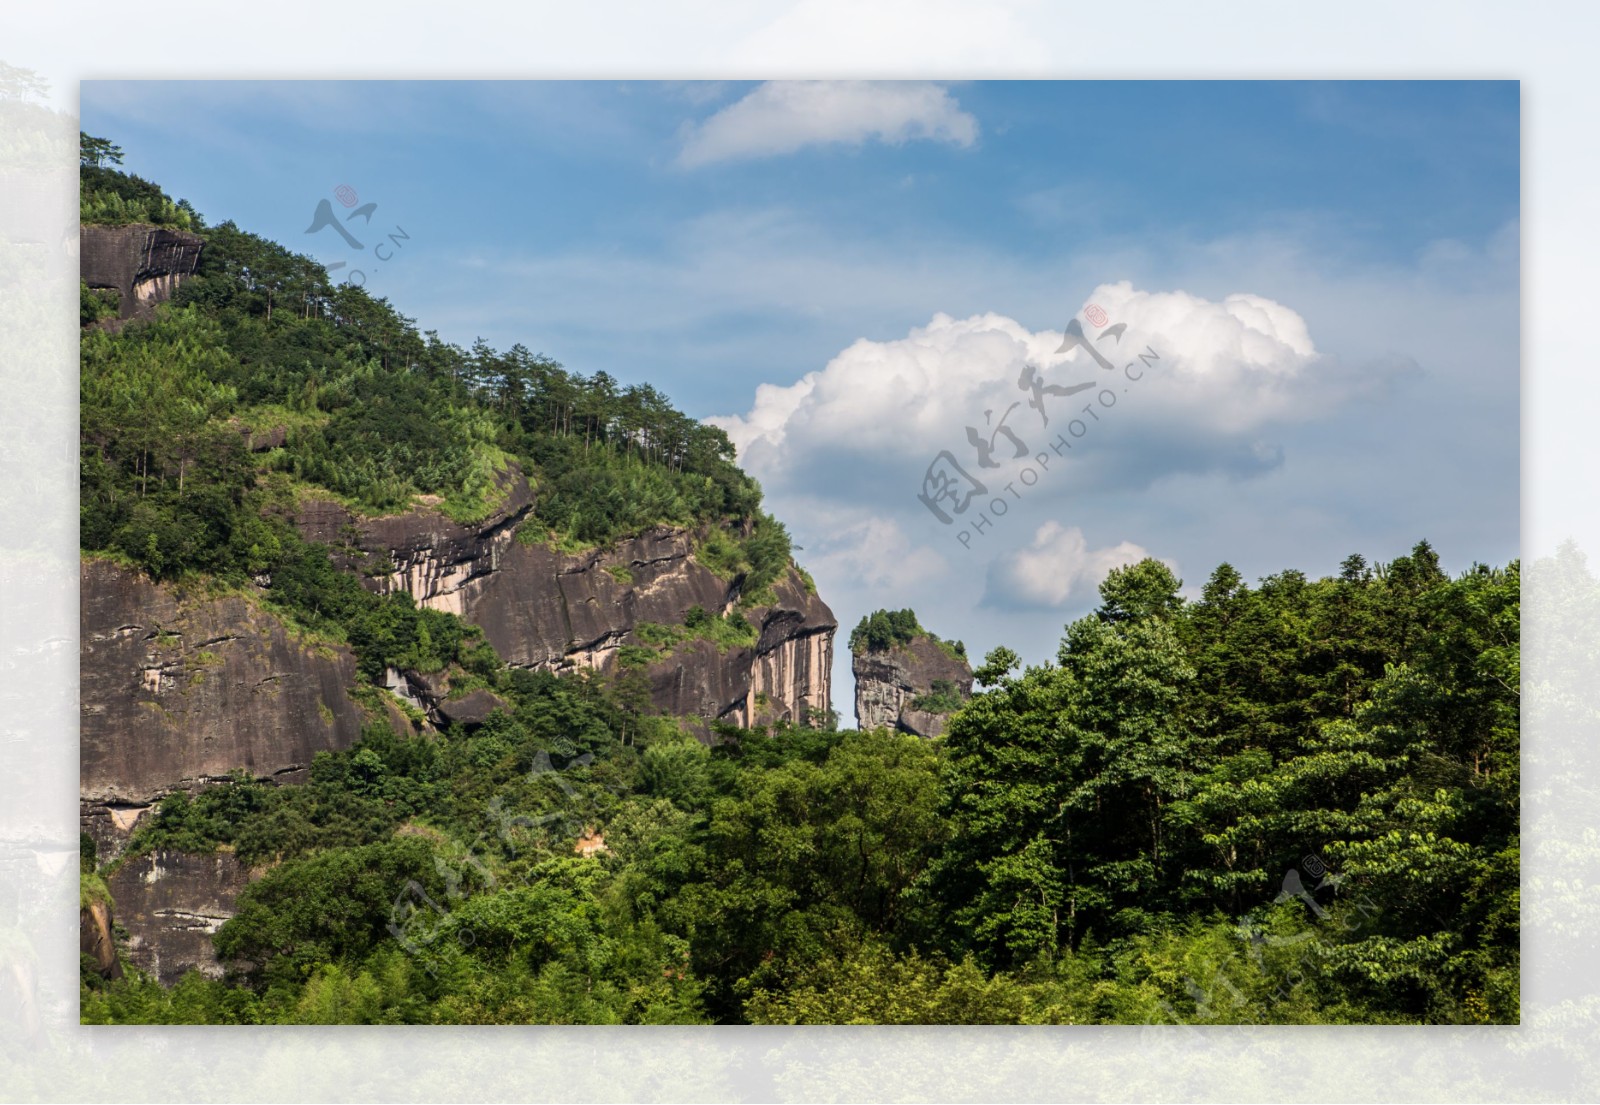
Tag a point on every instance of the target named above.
point(547, 610)
point(171, 903)
point(178, 689)
point(144, 264)
point(891, 681)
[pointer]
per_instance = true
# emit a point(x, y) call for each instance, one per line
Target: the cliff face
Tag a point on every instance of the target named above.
point(178, 690)
point(888, 680)
point(552, 611)
point(171, 903)
point(145, 264)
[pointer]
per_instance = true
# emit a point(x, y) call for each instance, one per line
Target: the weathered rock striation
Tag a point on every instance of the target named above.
point(547, 610)
point(179, 690)
point(144, 264)
point(888, 681)
point(171, 903)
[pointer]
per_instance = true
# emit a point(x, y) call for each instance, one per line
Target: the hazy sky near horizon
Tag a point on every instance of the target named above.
point(847, 276)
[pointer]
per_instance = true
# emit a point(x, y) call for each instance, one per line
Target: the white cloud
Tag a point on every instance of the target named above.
point(1056, 567)
point(1228, 373)
point(780, 117)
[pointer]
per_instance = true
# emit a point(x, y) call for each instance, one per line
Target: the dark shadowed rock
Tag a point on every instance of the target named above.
point(176, 691)
point(144, 264)
point(171, 903)
point(470, 709)
point(889, 680)
point(259, 441)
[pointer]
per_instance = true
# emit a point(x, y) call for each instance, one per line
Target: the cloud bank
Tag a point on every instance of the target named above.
point(1216, 380)
point(781, 117)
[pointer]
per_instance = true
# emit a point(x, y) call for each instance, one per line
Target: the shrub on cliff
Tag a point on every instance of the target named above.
point(885, 629)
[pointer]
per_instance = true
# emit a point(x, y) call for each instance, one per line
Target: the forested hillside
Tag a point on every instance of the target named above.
point(1288, 801)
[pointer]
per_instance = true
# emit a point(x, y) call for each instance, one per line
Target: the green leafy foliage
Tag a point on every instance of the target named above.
point(885, 629)
point(1179, 759)
point(1190, 816)
point(755, 558)
point(106, 195)
point(376, 412)
point(943, 697)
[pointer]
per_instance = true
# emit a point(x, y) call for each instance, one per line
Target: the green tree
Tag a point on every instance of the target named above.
point(97, 152)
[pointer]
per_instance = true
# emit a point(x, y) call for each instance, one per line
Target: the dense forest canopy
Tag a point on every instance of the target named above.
point(1290, 801)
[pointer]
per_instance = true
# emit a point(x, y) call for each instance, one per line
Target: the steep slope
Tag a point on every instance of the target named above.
point(238, 461)
point(143, 264)
point(180, 689)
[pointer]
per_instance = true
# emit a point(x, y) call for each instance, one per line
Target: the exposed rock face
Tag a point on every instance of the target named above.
point(95, 938)
point(784, 677)
point(145, 264)
point(552, 611)
point(427, 555)
point(171, 903)
point(176, 691)
point(470, 709)
point(180, 690)
point(888, 680)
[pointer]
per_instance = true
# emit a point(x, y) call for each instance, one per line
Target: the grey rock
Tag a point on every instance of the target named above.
point(171, 903)
point(546, 610)
point(471, 709)
point(888, 680)
point(179, 690)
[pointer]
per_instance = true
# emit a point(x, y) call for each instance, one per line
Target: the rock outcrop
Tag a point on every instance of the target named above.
point(889, 683)
point(471, 709)
point(547, 610)
point(144, 264)
point(176, 690)
point(171, 903)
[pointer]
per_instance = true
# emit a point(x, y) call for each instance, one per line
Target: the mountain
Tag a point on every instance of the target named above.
point(424, 684)
point(302, 517)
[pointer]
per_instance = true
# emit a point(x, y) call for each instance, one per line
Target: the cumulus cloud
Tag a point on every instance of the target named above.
point(780, 117)
point(1219, 377)
point(1055, 568)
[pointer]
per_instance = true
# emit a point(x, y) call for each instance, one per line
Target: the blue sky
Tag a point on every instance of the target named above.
point(1329, 270)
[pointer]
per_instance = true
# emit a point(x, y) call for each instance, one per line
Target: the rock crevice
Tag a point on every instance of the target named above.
point(216, 685)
